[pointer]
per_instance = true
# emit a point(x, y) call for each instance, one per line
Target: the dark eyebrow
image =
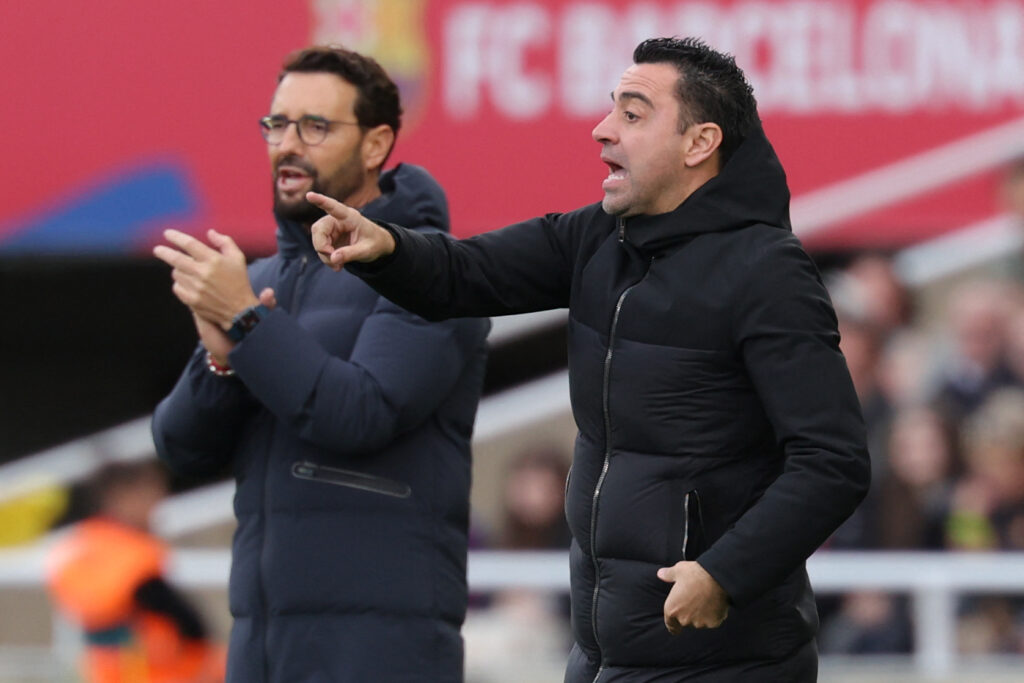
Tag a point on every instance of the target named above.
point(633, 95)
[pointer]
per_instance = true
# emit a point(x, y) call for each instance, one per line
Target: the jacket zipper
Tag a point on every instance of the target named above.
point(604, 470)
point(607, 451)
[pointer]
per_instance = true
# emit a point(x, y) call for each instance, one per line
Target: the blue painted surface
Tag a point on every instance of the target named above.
point(115, 214)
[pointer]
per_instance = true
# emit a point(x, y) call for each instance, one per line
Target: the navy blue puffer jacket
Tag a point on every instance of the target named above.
point(348, 428)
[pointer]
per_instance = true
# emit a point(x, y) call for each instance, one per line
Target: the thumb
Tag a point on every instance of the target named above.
point(267, 298)
point(667, 574)
point(225, 244)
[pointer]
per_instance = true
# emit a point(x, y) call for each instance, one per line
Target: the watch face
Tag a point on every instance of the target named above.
point(244, 322)
point(249, 319)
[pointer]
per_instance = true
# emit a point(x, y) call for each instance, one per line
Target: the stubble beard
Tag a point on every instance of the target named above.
point(615, 206)
point(347, 180)
point(299, 211)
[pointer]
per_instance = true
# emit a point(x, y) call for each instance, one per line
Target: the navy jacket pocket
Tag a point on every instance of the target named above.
point(350, 478)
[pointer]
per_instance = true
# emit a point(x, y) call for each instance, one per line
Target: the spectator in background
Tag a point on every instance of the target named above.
point(915, 496)
point(978, 313)
point(1014, 353)
point(868, 623)
point(884, 300)
point(534, 501)
point(347, 419)
point(904, 374)
point(988, 514)
point(525, 627)
point(107, 576)
point(988, 503)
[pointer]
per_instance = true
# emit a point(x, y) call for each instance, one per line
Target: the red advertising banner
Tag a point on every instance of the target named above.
point(893, 118)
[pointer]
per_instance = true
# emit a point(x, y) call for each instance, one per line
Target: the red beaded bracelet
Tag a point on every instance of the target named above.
point(216, 368)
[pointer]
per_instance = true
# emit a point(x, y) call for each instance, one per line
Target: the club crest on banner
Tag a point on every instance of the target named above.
point(391, 31)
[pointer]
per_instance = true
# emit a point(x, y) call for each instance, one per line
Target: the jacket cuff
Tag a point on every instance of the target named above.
point(279, 362)
point(727, 577)
point(367, 270)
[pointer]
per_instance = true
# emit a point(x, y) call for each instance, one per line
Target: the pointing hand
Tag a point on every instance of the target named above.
point(344, 235)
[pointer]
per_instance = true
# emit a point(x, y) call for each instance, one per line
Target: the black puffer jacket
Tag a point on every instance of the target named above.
point(352, 458)
point(716, 416)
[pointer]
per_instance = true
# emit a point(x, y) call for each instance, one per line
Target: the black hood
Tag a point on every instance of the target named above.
point(409, 196)
point(750, 190)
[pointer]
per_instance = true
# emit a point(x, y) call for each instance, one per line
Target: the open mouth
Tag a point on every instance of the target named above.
point(615, 171)
point(291, 179)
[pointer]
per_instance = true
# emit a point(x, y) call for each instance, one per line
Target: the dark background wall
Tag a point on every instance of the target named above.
point(88, 343)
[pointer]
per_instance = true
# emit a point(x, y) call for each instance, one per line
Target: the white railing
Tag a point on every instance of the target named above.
point(933, 581)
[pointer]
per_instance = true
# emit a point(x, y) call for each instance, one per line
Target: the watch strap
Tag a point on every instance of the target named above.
point(243, 323)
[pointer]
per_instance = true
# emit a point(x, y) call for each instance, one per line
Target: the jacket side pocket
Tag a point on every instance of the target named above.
point(693, 526)
point(356, 480)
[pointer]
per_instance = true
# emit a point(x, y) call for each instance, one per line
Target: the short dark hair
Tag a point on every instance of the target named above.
point(117, 476)
point(377, 98)
point(711, 88)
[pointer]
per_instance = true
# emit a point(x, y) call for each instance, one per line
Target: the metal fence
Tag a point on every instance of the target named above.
point(934, 581)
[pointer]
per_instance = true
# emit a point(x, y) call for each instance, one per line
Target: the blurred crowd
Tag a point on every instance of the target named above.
point(943, 401)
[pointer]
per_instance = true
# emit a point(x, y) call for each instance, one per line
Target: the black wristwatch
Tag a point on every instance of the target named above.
point(243, 323)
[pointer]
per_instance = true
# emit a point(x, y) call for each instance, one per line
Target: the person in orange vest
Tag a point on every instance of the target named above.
point(106, 576)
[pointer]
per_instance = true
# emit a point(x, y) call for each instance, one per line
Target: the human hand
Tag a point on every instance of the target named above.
point(210, 280)
point(695, 600)
point(215, 340)
point(344, 235)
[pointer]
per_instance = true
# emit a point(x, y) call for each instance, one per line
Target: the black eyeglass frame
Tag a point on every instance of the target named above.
point(278, 119)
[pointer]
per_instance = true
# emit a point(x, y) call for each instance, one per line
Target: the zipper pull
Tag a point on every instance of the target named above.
point(622, 229)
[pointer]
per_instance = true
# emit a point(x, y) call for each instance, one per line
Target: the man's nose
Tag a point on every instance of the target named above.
point(603, 130)
point(291, 143)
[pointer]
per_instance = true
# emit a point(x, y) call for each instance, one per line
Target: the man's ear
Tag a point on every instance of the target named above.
point(705, 139)
point(376, 144)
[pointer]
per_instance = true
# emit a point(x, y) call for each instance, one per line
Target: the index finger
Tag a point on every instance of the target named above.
point(190, 245)
point(329, 204)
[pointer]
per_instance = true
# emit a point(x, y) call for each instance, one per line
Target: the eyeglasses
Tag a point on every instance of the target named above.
point(312, 129)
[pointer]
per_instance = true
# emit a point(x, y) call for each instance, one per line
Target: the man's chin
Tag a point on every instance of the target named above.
point(298, 211)
point(612, 207)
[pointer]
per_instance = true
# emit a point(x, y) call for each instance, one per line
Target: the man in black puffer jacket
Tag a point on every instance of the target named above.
point(720, 440)
point(346, 419)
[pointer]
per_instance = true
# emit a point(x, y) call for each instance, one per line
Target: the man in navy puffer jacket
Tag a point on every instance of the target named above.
point(346, 419)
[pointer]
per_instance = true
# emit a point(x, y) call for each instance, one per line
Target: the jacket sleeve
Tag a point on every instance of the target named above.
point(195, 426)
point(400, 370)
point(517, 269)
point(788, 341)
point(156, 595)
